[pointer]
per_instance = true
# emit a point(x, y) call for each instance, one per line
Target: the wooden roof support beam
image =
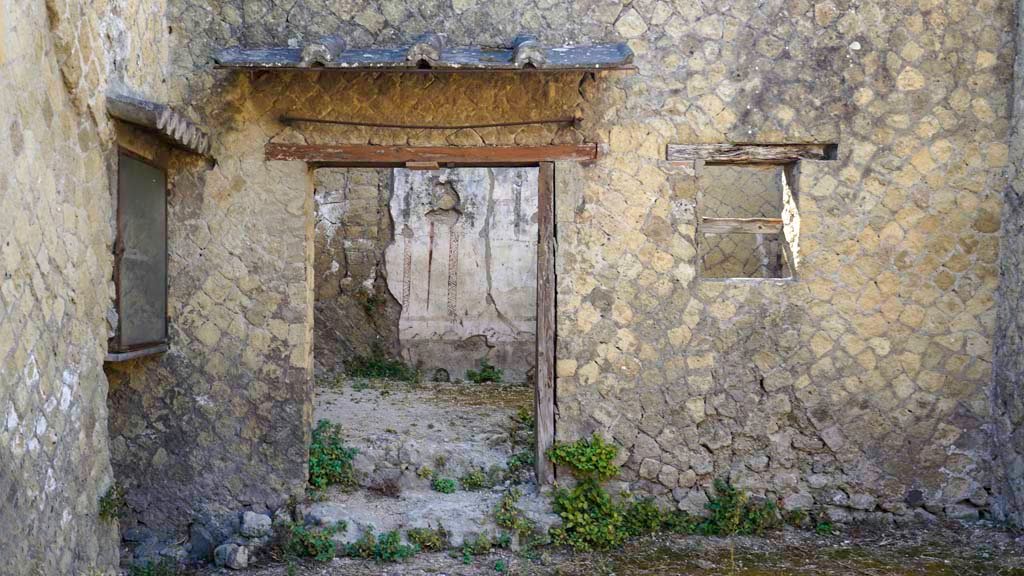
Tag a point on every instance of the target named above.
point(398, 156)
point(750, 153)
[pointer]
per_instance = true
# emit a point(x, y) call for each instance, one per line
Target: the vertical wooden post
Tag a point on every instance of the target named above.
point(545, 389)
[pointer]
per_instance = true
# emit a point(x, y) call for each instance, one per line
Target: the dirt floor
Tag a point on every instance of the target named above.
point(938, 551)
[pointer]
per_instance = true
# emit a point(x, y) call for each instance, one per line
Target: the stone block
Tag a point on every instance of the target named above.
point(231, 556)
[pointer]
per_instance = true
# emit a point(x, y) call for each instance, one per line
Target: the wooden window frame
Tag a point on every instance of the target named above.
point(116, 351)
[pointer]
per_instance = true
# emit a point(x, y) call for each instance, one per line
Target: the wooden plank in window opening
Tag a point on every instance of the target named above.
point(545, 389)
point(750, 153)
point(141, 255)
point(741, 225)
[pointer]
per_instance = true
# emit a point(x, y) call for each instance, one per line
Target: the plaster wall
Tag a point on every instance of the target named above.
point(464, 267)
point(862, 387)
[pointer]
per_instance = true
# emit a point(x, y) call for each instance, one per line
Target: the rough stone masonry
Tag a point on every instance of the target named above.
point(866, 385)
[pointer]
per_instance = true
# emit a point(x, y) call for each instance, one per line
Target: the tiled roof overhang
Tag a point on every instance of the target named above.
point(170, 125)
point(429, 53)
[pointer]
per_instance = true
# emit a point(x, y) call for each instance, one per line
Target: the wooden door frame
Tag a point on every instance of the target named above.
point(542, 157)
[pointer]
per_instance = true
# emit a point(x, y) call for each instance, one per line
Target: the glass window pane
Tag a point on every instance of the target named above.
point(142, 297)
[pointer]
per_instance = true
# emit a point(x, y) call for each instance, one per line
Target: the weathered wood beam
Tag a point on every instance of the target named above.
point(741, 225)
point(422, 165)
point(749, 153)
point(369, 155)
point(544, 393)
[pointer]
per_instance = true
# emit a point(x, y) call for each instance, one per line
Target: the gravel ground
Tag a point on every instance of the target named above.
point(949, 550)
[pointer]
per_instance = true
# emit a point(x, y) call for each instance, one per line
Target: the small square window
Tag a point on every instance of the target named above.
point(140, 259)
point(748, 221)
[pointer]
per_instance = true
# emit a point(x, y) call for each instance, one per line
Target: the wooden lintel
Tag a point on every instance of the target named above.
point(741, 225)
point(422, 165)
point(397, 156)
point(749, 153)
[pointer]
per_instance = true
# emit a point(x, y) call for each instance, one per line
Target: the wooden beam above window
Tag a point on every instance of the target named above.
point(355, 155)
point(741, 225)
point(750, 153)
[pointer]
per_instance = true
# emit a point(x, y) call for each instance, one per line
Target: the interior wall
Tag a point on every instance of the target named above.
point(355, 314)
point(464, 268)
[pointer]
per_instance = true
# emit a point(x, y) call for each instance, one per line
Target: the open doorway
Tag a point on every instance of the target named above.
point(426, 323)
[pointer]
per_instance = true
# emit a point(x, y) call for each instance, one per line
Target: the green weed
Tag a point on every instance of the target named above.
point(429, 539)
point(112, 505)
point(165, 567)
point(313, 543)
point(443, 485)
point(388, 548)
point(733, 512)
point(475, 480)
point(330, 461)
point(508, 515)
point(379, 366)
point(486, 373)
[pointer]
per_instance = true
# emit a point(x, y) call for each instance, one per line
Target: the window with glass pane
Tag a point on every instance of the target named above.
point(141, 255)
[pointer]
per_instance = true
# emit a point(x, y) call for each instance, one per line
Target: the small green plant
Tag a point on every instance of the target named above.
point(796, 518)
point(519, 461)
point(313, 543)
point(486, 373)
point(443, 485)
point(164, 567)
point(112, 504)
point(500, 567)
point(330, 461)
point(733, 512)
point(642, 517)
point(590, 459)
point(524, 417)
point(508, 515)
point(823, 528)
point(473, 481)
point(378, 365)
point(364, 547)
point(429, 539)
point(389, 548)
point(479, 545)
point(679, 522)
point(590, 518)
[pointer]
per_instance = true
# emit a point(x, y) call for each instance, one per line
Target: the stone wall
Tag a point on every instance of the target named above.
point(355, 314)
point(464, 266)
point(1008, 363)
point(862, 386)
point(56, 232)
